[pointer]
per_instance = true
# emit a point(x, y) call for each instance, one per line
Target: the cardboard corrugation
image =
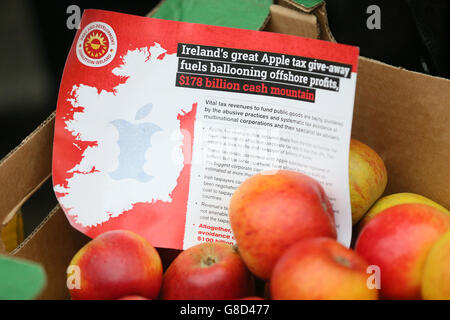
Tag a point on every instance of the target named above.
point(403, 115)
point(24, 169)
point(53, 244)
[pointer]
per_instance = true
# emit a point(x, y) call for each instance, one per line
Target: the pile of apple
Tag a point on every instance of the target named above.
point(286, 248)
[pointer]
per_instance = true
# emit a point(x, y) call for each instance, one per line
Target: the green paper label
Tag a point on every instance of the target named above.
point(20, 279)
point(308, 3)
point(249, 14)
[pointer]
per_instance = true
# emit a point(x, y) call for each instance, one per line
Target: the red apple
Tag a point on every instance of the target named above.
point(320, 269)
point(114, 265)
point(271, 211)
point(133, 298)
point(398, 240)
point(208, 271)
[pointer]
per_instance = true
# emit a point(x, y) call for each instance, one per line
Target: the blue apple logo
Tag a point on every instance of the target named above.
point(134, 140)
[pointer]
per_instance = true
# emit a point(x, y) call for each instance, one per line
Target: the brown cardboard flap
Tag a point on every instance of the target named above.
point(284, 20)
point(25, 168)
point(322, 18)
point(53, 244)
point(405, 117)
point(319, 12)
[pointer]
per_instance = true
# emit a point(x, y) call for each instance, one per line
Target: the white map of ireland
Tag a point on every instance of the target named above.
point(138, 157)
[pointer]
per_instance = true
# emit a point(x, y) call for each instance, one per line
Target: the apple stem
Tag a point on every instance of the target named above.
point(342, 261)
point(209, 261)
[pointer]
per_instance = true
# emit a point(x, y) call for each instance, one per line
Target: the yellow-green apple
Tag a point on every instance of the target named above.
point(396, 199)
point(270, 211)
point(321, 269)
point(114, 265)
point(207, 271)
point(398, 241)
point(436, 273)
point(367, 178)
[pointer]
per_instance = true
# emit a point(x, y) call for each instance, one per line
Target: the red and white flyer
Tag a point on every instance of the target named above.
point(158, 122)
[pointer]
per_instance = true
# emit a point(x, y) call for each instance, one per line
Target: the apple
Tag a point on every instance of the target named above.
point(207, 271)
point(436, 272)
point(116, 264)
point(367, 178)
point(395, 199)
point(321, 269)
point(398, 240)
point(133, 298)
point(270, 211)
point(252, 298)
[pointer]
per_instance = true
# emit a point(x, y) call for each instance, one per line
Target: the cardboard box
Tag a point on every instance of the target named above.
point(403, 115)
point(54, 241)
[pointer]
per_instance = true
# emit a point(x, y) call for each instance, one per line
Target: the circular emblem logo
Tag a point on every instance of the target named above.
point(97, 45)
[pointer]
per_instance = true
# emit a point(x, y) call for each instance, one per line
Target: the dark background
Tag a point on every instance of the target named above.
point(35, 42)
